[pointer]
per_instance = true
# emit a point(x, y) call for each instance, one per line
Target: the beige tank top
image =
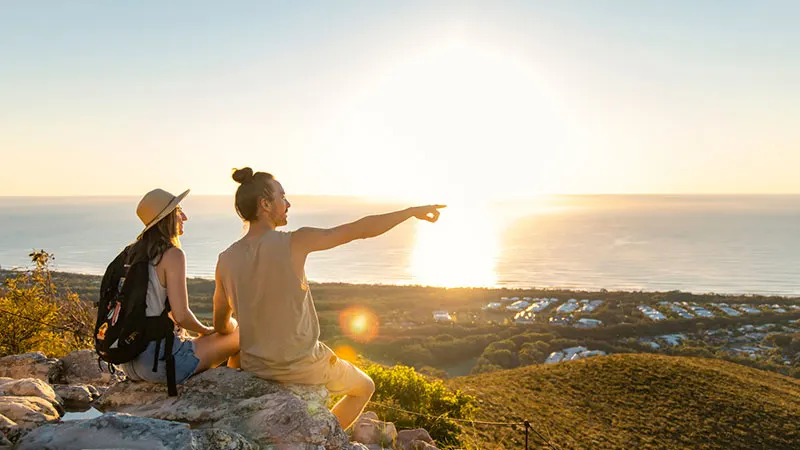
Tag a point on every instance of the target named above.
point(278, 324)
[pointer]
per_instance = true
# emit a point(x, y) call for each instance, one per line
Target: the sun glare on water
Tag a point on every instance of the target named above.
point(459, 250)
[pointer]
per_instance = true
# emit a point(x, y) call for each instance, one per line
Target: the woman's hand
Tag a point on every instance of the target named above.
point(207, 330)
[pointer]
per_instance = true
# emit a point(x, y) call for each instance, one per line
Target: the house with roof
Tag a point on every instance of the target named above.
point(442, 316)
point(651, 313)
point(518, 305)
point(560, 321)
point(587, 323)
point(493, 306)
point(570, 306)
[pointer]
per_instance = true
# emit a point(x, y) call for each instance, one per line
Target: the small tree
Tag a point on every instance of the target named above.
point(35, 316)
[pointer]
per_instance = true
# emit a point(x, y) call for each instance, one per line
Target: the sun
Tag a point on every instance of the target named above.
point(458, 116)
point(461, 249)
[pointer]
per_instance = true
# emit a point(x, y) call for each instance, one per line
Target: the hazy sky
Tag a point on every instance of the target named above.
point(424, 100)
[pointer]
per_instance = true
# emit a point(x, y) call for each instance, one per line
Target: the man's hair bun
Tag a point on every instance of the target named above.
point(243, 176)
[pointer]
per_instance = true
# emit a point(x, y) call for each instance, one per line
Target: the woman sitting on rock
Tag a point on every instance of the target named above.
point(159, 243)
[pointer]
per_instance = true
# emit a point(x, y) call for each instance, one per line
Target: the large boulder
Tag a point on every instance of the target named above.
point(369, 430)
point(28, 412)
point(31, 365)
point(123, 431)
point(29, 387)
point(75, 394)
point(264, 411)
point(414, 440)
point(83, 367)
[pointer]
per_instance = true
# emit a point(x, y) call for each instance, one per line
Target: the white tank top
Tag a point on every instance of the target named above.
point(156, 293)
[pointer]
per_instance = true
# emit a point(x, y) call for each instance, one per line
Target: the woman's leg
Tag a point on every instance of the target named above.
point(234, 362)
point(214, 349)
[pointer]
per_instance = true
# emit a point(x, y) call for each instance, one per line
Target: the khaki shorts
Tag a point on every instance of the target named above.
point(344, 377)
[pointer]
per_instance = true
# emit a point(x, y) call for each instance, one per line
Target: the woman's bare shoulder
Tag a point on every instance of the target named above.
point(173, 255)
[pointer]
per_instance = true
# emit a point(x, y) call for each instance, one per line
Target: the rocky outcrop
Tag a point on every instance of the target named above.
point(125, 431)
point(6, 424)
point(76, 394)
point(371, 431)
point(31, 365)
point(226, 408)
point(29, 387)
point(28, 412)
point(416, 439)
point(83, 367)
point(264, 411)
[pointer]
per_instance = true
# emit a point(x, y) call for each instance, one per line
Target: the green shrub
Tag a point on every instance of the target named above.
point(35, 316)
point(402, 387)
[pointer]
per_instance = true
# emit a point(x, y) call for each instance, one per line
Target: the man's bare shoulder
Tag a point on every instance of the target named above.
point(232, 249)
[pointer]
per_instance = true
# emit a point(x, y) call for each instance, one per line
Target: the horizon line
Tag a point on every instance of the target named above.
point(391, 198)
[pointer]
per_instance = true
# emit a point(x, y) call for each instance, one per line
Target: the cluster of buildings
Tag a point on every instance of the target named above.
point(572, 354)
point(679, 308)
point(651, 313)
point(664, 340)
point(686, 310)
point(745, 340)
point(563, 321)
point(526, 309)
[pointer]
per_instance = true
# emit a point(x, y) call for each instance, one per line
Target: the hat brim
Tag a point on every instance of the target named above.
point(170, 207)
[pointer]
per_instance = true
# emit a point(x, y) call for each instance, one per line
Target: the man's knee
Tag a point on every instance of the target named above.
point(365, 387)
point(369, 387)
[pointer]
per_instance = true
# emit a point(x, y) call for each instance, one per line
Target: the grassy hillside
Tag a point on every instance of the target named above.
point(637, 401)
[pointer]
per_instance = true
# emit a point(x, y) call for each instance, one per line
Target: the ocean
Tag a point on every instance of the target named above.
point(701, 244)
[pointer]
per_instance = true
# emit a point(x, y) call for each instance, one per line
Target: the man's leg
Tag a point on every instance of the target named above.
point(359, 389)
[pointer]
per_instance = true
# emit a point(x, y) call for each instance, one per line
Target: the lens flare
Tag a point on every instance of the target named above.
point(346, 352)
point(359, 324)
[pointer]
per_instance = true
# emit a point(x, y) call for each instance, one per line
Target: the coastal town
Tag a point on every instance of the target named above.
point(755, 341)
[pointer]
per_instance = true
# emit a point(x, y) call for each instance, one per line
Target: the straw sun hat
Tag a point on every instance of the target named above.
point(155, 205)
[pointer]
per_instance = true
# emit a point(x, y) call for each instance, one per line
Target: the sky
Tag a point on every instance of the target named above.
point(409, 100)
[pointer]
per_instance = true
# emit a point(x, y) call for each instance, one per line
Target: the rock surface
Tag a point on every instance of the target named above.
point(414, 440)
point(81, 367)
point(75, 394)
point(264, 411)
point(6, 424)
point(31, 365)
point(30, 387)
point(227, 409)
point(369, 430)
point(28, 412)
point(125, 431)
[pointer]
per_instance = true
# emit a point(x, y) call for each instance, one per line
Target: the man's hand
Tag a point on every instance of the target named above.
point(429, 212)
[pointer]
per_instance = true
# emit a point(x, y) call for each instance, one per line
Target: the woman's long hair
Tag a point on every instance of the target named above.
point(158, 239)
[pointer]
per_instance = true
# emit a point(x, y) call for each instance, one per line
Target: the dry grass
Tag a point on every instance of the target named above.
point(637, 401)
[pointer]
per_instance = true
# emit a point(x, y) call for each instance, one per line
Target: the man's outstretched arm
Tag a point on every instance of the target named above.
point(308, 239)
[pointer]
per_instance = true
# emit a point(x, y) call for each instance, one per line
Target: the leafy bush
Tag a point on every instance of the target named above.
point(403, 388)
point(35, 316)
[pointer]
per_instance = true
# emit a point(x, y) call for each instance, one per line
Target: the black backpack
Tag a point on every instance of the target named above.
point(122, 330)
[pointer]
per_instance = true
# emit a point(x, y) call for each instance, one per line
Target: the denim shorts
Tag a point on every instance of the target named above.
point(141, 368)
